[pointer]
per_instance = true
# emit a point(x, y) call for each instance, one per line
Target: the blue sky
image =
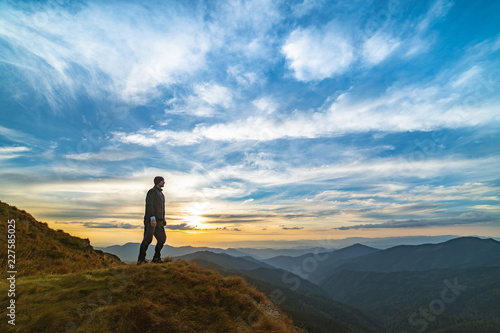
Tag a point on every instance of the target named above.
point(270, 120)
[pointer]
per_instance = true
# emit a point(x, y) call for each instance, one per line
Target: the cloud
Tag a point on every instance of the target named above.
point(292, 228)
point(236, 218)
point(466, 77)
point(108, 155)
point(17, 136)
point(62, 50)
point(226, 229)
point(150, 137)
point(439, 9)
point(12, 152)
point(401, 108)
point(106, 225)
point(379, 47)
point(468, 218)
point(206, 100)
point(314, 54)
point(305, 7)
point(182, 226)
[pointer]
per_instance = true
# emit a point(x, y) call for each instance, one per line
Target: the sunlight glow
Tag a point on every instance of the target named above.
point(196, 211)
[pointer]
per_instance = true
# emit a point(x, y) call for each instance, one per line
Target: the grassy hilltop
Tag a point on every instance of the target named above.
point(42, 250)
point(64, 285)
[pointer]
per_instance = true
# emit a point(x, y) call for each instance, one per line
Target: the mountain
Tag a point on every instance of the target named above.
point(129, 251)
point(267, 253)
point(408, 301)
point(303, 301)
point(40, 249)
point(64, 285)
point(329, 244)
point(461, 252)
point(436, 286)
point(313, 266)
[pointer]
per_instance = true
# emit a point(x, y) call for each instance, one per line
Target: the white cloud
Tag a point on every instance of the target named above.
point(399, 109)
point(128, 52)
point(318, 54)
point(439, 9)
point(12, 152)
point(378, 47)
point(305, 7)
point(465, 77)
point(207, 99)
point(107, 155)
point(266, 105)
point(420, 40)
point(150, 138)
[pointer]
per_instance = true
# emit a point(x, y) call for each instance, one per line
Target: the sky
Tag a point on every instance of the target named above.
point(270, 120)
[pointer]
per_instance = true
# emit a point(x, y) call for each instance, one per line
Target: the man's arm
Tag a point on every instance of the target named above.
point(150, 209)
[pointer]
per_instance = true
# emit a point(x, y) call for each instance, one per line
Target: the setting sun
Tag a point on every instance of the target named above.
point(196, 211)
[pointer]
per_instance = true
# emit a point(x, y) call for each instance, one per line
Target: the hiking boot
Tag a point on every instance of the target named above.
point(142, 261)
point(157, 261)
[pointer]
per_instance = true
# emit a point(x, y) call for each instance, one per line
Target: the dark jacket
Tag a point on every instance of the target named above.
point(155, 205)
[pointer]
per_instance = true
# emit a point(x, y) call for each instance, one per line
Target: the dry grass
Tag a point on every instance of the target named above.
point(64, 285)
point(172, 297)
point(42, 250)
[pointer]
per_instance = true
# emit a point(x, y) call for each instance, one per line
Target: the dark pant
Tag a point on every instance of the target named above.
point(149, 232)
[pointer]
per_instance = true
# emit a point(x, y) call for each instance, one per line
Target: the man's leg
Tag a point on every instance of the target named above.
point(148, 238)
point(161, 237)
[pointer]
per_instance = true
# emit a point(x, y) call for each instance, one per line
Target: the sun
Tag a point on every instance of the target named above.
point(196, 211)
point(195, 220)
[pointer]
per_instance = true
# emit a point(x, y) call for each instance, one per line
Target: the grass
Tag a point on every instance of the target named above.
point(171, 297)
point(42, 250)
point(64, 285)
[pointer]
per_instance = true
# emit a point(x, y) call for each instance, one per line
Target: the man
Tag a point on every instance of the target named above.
point(154, 222)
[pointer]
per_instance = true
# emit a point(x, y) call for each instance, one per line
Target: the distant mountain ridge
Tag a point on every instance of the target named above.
point(463, 252)
point(128, 252)
point(313, 266)
point(390, 285)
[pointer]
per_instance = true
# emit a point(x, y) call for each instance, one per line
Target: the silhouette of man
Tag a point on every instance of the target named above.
point(154, 222)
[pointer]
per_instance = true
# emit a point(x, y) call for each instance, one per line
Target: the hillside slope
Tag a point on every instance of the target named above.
point(40, 249)
point(171, 297)
point(64, 285)
point(300, 299)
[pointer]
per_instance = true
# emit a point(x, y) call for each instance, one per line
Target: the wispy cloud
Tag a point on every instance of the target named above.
point(108, 155)
point(206, 100)
point(414, 107)
point(469, 218)
point(12, 152)
point(379, 47)
point(84, 48)
point(104, 225)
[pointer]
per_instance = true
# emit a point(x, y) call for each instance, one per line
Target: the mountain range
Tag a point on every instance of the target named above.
point(447, 287)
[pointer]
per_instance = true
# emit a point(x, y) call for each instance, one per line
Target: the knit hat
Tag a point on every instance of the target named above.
point(158, 179)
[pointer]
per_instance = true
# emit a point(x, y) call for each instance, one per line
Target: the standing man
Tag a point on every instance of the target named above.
point(154, 222)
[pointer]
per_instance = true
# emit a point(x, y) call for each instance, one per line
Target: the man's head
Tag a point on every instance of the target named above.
point(159, 181)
